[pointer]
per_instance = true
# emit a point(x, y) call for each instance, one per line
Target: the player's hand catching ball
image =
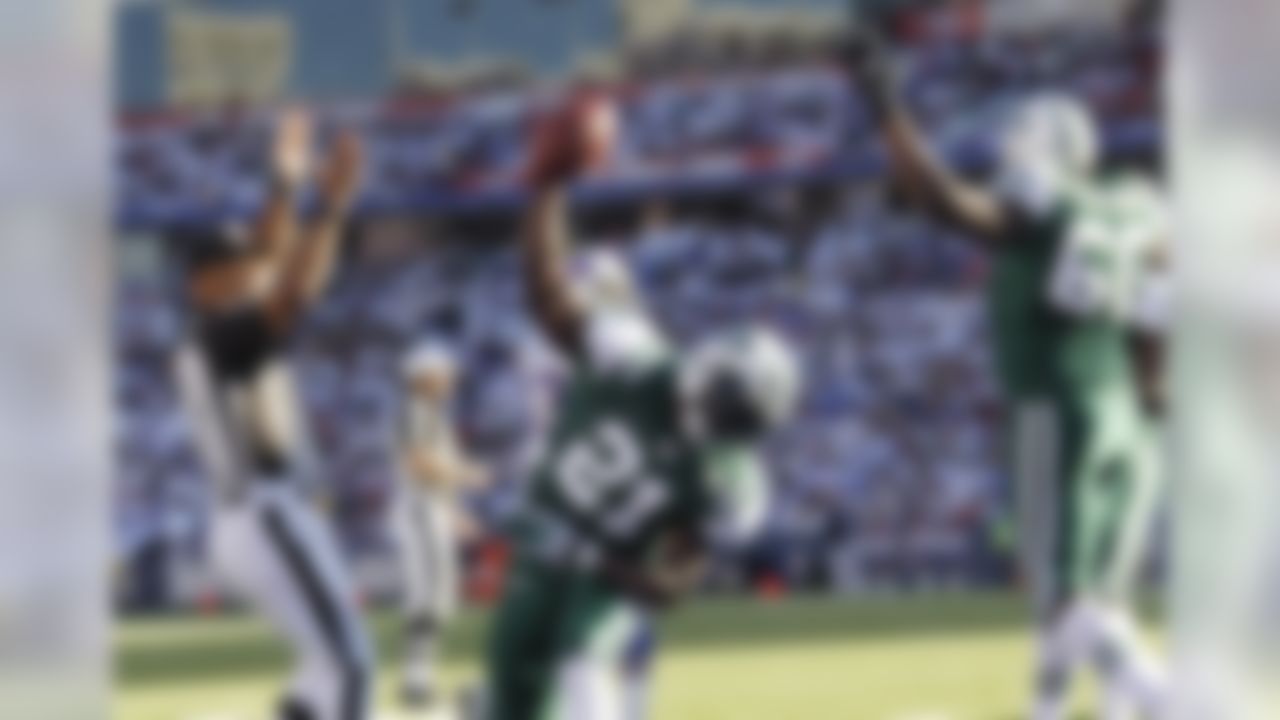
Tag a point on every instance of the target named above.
point(576, 138)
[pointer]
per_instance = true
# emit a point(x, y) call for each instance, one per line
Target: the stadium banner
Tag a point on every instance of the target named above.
point(648, 20)
point(215, 57)
point(1225, 161)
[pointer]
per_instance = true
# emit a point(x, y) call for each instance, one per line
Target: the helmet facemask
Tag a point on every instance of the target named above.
point(737, 386)
point(1049, 145)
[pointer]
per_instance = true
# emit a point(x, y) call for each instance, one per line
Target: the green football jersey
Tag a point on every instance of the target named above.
point(616, 473)
point(1059, 295)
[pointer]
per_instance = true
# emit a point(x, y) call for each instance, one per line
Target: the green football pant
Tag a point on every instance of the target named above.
point(1086, 486)
point(558, 646)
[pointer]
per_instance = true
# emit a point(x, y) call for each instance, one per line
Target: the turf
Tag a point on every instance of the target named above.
point(812, 659)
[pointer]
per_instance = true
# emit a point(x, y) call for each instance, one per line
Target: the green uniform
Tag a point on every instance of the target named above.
point(616, 476)
point(1082, 451)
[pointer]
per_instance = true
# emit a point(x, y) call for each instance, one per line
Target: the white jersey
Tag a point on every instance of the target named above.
point(424, 514)
point(426, 426)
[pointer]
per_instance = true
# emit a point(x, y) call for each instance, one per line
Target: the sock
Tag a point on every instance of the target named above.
point(1132, 679)
point(419, 659)
point(1061, 650)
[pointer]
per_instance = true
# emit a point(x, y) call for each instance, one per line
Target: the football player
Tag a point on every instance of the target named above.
point(1066, 247)
point(432, 470)
point(246, 292)
point(645, 450)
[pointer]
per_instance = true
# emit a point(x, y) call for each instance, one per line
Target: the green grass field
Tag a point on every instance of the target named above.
point(809, 659)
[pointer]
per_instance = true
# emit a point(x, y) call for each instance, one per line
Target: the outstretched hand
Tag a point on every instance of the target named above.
point(291, 147)
point(865, 57)
point(340, 177)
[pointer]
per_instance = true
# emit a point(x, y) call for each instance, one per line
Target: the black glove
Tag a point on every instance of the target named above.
point(866, 60)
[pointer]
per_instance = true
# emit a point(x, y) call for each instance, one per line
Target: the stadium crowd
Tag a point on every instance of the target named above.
point(683, 122)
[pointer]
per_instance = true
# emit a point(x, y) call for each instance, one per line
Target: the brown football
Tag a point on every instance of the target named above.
point(575, 138)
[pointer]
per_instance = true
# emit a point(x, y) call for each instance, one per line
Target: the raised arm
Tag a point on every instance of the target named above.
point(273, 234)
point(305, 271)
point(275, 230)
point(912, 162)
point(567, 143)
point(548, 287)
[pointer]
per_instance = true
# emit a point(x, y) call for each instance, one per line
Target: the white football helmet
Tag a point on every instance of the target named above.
point(607, 281)
point(429, 359)
point(1050, 143)
point(738, 385)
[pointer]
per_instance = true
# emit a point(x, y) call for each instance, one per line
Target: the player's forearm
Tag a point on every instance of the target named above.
point(912, 162)
point(928, 178)
point(309, 265)
point(436, 469)
point(545, 243)
point(319, 253)
point(277, 223)
point(307, 271)
point(274, 233)
point(1148, 352)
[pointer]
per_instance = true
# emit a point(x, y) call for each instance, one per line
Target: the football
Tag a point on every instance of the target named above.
point(575, 138)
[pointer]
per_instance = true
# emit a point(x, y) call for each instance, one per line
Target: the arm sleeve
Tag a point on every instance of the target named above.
point(622, 341)
point(740, 483)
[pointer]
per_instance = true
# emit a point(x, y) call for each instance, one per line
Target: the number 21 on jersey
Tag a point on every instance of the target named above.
point(603, 475)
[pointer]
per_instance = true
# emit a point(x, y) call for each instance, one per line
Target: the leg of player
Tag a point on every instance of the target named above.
point(1132, 680)
point(1037, 446)
point(522, 643)
point(1063, 645)
point(638, 671)
point(1123, 504)
point(277, 554)
point(594, 681)
point(425, 532)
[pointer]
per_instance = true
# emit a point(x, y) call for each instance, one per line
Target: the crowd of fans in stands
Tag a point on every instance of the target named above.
point(684, 125)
